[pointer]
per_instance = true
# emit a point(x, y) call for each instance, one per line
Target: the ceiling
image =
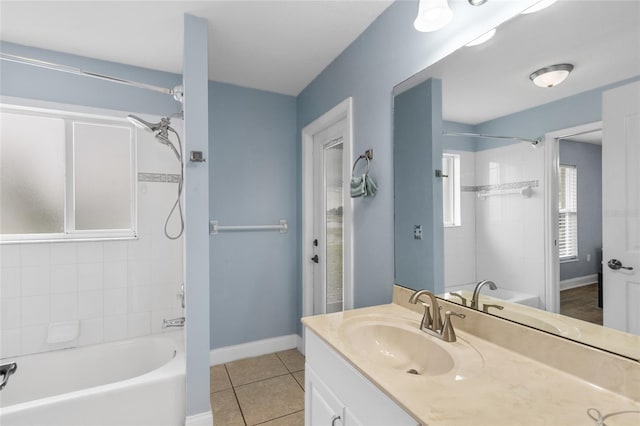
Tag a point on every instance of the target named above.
point(600, 38)
point(278, 46)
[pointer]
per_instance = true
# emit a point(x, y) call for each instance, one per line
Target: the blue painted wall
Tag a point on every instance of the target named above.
point(417, 145)
point(196, 199)
point(25, 81)
point(253, 181)
point(588, 160)
point(582, 108)
point(386, 53)
point(459, 143)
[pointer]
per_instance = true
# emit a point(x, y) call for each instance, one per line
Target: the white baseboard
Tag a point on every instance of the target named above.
point(578, 282)
point(300, 344)
point(200, 419)
point(251, 349)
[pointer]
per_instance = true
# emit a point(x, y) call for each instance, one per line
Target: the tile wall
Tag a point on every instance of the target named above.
point(115, 289)
point(460, 241)
point(510, 228)
point(501, 237)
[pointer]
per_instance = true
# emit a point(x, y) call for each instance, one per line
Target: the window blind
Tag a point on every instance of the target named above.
point(568, 212)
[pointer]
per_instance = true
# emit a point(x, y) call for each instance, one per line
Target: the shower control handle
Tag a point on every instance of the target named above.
point(615, 264)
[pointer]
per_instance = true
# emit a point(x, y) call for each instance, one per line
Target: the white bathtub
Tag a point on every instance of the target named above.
point(499, 293)
point(134, 382)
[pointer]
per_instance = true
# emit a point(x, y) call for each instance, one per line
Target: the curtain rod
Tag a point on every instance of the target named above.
point(176, 92)
point(477, 135)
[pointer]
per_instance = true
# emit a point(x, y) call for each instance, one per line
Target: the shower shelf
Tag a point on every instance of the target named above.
point(526, 192)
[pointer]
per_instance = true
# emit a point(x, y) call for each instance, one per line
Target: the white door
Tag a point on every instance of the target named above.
point(327, 238)
point(621, 208)
point(328, 227)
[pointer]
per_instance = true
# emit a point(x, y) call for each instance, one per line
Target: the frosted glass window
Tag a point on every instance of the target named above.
point(451, 190)
point(32, 173)
point(65, 175)
point(334, 237)
point(102, 176)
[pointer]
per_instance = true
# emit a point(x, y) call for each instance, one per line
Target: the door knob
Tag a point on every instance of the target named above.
point(315, 259)
point(615, 264)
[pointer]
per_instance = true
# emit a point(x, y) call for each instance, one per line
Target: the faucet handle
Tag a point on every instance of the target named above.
point(448, 333)
point(427, 319)
point(458, 295)
point(485, 307)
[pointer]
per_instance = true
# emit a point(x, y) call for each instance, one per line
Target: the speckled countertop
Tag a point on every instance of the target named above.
point(506, 388)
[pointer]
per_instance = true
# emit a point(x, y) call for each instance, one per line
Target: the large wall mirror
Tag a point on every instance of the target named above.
point(534, 189)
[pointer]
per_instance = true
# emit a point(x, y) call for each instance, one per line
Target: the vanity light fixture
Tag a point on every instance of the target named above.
point(483, 38)
point(432, 15)
point(551, 76)
point(543, 4)
point(477, 2)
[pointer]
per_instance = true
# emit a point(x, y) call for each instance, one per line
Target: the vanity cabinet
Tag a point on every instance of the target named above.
point(336, 394)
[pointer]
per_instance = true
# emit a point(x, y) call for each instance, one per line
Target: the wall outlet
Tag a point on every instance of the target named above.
point(417, 232)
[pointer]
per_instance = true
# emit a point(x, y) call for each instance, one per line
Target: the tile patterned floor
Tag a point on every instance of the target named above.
point(266, 390)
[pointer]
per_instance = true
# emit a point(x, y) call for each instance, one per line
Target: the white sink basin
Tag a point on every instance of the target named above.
point(398, 344)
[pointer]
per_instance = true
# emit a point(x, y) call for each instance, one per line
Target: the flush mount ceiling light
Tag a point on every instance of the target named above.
point(551, 76)
point(432, 15)
point(539, 6)
point(477, 2)
point(483, 38)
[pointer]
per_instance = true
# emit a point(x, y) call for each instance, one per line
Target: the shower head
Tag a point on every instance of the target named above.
point(160, 130)
point(145, 125)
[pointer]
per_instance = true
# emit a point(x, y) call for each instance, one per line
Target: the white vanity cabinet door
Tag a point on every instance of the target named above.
point(332, 382)
point(322, 407)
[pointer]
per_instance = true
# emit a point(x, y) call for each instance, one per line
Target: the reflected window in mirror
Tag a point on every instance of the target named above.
point(568, 213)
point(451, 189)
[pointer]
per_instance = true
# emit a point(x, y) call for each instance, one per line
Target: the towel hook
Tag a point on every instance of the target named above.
point(368, 155)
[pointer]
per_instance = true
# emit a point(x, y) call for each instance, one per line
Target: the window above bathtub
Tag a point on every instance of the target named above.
point(451, 190)
point(65, 176)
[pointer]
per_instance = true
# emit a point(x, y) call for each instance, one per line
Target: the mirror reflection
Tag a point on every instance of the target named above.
point(513, 219)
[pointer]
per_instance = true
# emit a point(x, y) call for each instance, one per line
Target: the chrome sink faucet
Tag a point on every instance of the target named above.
point(432, 321)
point(476, 292)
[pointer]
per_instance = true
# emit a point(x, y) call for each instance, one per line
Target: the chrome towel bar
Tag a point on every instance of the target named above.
point(215, 228)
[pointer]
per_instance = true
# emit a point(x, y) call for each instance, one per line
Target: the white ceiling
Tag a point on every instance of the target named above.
point(600, 38)
point(279, 46)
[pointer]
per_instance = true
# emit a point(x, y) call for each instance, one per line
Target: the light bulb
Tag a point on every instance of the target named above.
point(432, 15)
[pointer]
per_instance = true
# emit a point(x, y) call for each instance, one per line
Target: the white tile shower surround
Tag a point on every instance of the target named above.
point(116, 289)
point(500, 224)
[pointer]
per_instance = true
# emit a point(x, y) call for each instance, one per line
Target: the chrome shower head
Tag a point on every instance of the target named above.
point(145, 125)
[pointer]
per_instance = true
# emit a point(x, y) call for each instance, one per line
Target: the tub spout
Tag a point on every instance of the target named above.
point(6, 370)
point(175, 322)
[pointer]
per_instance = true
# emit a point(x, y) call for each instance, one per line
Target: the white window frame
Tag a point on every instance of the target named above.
point(451, 185)
point(572, 255)
point(70, 233)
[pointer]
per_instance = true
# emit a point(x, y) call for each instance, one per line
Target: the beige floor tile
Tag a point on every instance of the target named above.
point(255, 369)
point(226, 411)
point(299, 376)
point(293, 360)
point(295, 419)
point(219, 379)
point(270, 399)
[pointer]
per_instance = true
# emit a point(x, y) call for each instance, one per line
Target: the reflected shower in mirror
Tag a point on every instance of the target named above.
point(504, 178)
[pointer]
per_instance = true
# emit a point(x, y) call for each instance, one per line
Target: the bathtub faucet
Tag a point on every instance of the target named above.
point(7, 370)
point(175, 322)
